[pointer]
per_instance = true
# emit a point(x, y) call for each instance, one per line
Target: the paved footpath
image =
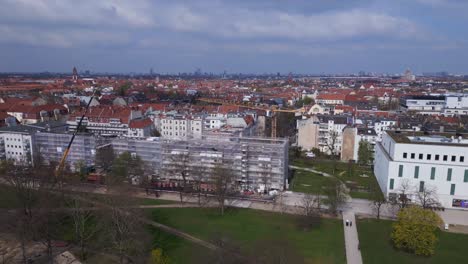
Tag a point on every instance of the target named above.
point(353, 254)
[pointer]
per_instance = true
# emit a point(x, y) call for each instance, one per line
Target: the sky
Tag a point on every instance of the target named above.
point(247, 36)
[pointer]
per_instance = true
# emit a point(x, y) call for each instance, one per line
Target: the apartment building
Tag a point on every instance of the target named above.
point(17, 142)
point(438, 161)
point(256, 163)
point(352, 136)
point(181, 126)
point(324, 132)
point(113, 120)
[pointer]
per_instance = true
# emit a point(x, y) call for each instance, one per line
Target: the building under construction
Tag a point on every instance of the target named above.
point(255, 163)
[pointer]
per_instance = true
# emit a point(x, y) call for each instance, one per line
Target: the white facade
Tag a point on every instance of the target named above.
point(433, 162)
point(214, 122)
point(16, 147)
point(456, 104)
point(424, 104)
point(181, 127)
point(383, 125)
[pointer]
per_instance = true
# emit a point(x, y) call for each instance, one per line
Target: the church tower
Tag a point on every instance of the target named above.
point(75, 74)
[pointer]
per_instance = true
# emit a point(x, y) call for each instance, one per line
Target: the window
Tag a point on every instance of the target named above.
point(416, 172)
point(421, 186)
point(452, 189)
point(449, 174)
point(421, 156)
point(445, 157)
point(433, 171)
point(465, 178)
point(400, 171)
point(413, 155)
point(462, 159)
point(429, 156)
point(437, 157)
point(392, 182)
point(405, 155)
point(454, 158)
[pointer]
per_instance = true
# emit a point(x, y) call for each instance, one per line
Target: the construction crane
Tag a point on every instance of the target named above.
point(61, 164)
point(274, 120)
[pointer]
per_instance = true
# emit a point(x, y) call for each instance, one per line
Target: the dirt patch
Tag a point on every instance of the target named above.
point(10, 249)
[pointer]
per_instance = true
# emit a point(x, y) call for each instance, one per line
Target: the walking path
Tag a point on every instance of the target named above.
point(311, 170)
point(353, 253)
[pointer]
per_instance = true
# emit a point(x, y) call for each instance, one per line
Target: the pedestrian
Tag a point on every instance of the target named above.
point(347, 222)
point(350, 223)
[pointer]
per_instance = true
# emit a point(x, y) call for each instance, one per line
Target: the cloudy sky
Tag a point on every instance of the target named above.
point(305, 36)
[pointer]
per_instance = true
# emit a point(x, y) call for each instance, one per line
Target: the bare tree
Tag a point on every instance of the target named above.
point(36, 192)
point(85, 224)
point(123, 228)
point(336, 195)
point(198, 176)
point(181, 167)
point(311, 215)
point(331, 142)
point(265, 175)
point(427, 197)
point(404, 192)
point(377, 199)
point(105, 157)
point(223, 181)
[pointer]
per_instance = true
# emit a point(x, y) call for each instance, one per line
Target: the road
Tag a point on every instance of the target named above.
point(290, 202)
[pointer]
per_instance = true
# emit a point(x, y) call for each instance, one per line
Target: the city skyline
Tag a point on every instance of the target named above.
point(245, 36)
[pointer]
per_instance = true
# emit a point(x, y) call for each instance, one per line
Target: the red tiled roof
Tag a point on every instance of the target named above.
point(224, 109)
point(140, 123)
point(102, 114)
point(327, 96)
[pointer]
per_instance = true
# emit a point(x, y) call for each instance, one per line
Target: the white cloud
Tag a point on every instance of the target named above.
point(82, 12)
point(145, 18)
point(242, 23)
point(60, 38)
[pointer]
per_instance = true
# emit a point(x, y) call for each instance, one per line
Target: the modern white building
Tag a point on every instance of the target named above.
point(433, 162)
point(423, 104)
point(456, 104)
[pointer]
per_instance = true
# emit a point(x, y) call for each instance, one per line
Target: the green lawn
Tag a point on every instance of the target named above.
point(308, 182)
point(322, 245)
point(355, 181)
point(376, 246)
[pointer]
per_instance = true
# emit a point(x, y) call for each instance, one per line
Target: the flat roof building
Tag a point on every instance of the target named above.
point(438, 162)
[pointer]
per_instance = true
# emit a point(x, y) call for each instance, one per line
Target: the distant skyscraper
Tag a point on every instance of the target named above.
point(151, 72)
point(75, 74)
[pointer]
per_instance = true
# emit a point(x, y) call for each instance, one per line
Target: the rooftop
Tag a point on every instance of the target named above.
point(449, 139)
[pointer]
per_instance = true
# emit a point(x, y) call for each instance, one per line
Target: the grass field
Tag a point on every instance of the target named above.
point(322, 245)
point(308, 182)
point(376, 246)
point(354, 180)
